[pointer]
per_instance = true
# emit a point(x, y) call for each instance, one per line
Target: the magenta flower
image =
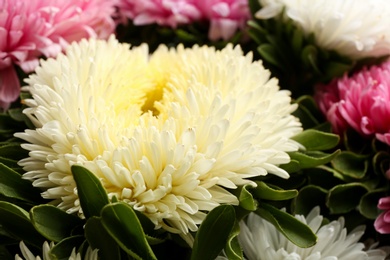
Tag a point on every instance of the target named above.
point(22, 32)
point(30, 29)
point(162, 12)
point(382, 222)
point(225, 16)
point(361, 102)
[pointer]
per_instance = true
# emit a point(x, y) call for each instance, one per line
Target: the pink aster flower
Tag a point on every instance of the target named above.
point(22, 32)
point(74, 20)
point(162, 12)
point(30, 29)
point(382, 223)
point(225, 16)
point(361, 102)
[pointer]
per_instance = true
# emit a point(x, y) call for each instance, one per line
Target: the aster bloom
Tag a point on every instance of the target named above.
point(262, 241)
point(69, 21)
point(91, 254)
point(22, 32)
point(225, 16)
point(354, 28)
point(162, 12)
point(360, 101)
point(382, 222)
point(165, 133)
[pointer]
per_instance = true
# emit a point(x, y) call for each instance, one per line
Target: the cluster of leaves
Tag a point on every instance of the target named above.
point(350, 185)
point(120, 232)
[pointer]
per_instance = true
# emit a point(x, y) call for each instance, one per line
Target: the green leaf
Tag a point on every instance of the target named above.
point(16, 222)
point(309, 197)
point(5, 254)
point(291, 167)
point(92, 195)
point(270, 54)
point(269, 192)
point(98, 237)
point(63, 249)
point(369, 202)
point(336, 69)
point(351, 164)
point(233, 249)
point(314, 140)
point(213, 233)
point(294, 230)
point(345, 197)
point(121, 222)
point(13, 186)
point(53, 223)
point(153, 236)
point(309, 57)
point(312, 159)
point(245, 197)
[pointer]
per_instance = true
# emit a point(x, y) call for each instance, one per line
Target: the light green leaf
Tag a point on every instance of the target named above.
point(294, 230)
point(269, 192)
point(369, 202)
point(314, 140)
point(54, 224)
point(98, 237)
point(213, 233)
point(233, 249)
point(312, 159)
point(245, 197)
point(92, 195)
point(121, 222)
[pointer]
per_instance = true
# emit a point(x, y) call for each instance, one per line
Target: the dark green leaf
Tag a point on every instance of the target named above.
point(368, 203)
point(309, 197)
point(267, 192)
point(98, 237)
point(5, 254)
point(16, 222)
point(53, 223)
point(291, 167)
point(294, 230)
point(213, 233)
point(64, 248)
point(351, 164)
point(92, 195)
point(121, 222)
point(13, 186)
point(345, 197)
point(270, 54)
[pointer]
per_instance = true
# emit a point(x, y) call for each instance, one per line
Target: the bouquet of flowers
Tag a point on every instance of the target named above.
point(194, 129)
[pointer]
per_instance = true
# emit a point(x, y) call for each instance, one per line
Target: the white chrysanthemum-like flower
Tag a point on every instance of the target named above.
point(354, 28)
point(166, 133)
point(260, 240)
point(91, 254)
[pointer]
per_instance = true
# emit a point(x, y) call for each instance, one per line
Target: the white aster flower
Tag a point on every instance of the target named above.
point(260, 240)
point(91, 254)
point(166, 133)
point(354, 28)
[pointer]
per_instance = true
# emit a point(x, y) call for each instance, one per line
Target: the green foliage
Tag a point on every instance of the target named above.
point(214, 233)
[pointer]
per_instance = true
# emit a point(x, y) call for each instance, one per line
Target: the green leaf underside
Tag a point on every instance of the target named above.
point(267, 192)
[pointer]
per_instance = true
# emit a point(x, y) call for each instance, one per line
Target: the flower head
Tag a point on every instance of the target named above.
point(165, 133)
point(22, 35)
point(30, 29)
point(225, 16)
point(382, 222)
point(360, 101)
point(262, 241)
point(354, 28)
point(162, 12)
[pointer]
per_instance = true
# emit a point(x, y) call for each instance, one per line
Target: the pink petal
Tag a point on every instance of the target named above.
point(9, 85)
